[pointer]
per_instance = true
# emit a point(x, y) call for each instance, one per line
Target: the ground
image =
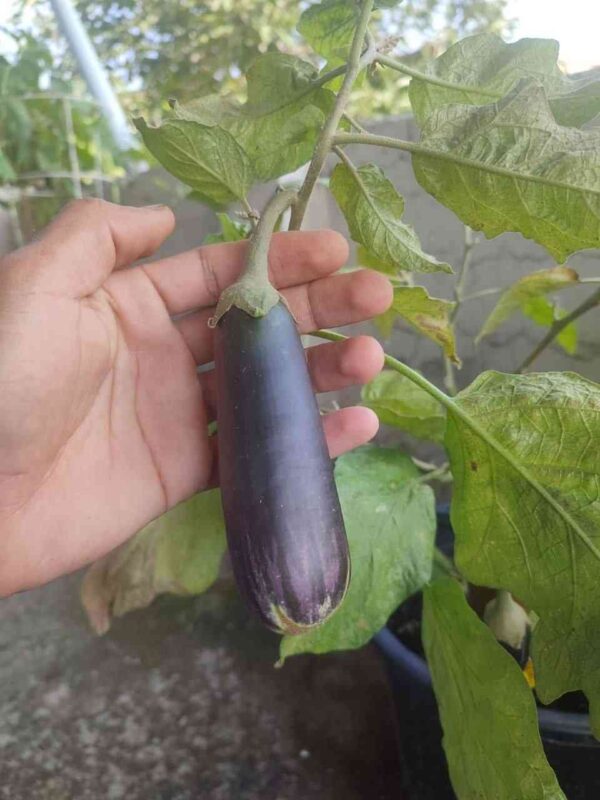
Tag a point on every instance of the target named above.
point(182, 702)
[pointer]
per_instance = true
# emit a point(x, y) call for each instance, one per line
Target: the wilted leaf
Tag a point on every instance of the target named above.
point(488, 712)
point(516, 297)
point(526, 513)
point(281, 120)
point(390, 521)
point(541, 311)
point(397, 401)
point(484, 68)
point(428, 315)
point(207, 158)
point(373, 210)
point(509, 167)
point(179, 553)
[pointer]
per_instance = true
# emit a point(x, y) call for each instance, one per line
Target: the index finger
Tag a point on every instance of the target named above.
point(196, 278)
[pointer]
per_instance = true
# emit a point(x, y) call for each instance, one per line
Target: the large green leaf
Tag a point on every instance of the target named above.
point(373, 210)
point(515, 298)
point(397, 401)
point(509, 166)
point(179, 553)
point(526, 512)
point(483, 68)
point(279, 124)
point(329, 27)
point(541, 311)
point(487, 711)
point(207, 158)
point(390, 522)
point(427, 315)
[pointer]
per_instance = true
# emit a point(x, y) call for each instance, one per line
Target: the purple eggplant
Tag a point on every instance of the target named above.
point(284, 523)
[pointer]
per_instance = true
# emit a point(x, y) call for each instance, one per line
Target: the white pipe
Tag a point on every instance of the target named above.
point(93, 71)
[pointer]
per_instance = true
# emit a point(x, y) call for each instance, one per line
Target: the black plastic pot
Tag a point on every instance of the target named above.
point(570, 747)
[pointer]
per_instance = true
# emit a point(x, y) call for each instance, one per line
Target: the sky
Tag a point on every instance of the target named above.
point(575, 24)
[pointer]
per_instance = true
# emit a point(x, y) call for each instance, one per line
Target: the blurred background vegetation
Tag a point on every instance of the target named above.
point(53, 142)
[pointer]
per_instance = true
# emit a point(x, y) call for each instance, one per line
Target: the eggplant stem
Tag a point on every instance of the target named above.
point(253, 292)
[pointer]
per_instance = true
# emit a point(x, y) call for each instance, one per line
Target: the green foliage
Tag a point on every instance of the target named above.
point(390, 521)
point(373, 210)
point(398, 402)
point(179, 553)
point(527, 288)
point(487, 710)
point(231, 231)
point(277, 127)
point(207, 158)
point(541, 311)
point(509, 166)
point(427, 315)
point(484, 68)
point(526, 514)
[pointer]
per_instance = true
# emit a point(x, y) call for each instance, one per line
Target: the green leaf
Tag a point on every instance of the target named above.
point(179, 553)
point(488, 712)
point(397, 401)
point(483, 68)
point(515, 298)
point(279, 125)
point(390, 522)
point(427, 315)
point(207, 158)
point(541, 311)
point(328, 27)
point(231, 231)
point(509, 167)
point(373, 210)
point(526, 513)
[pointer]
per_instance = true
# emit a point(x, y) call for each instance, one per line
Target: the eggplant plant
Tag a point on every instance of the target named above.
point(508, 143)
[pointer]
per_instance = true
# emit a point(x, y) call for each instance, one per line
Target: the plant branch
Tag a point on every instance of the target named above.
point(257, 264)
point(329, 76)
point(399, 66)
point(356, 125)
point(355, 63)
point(560, 324)
point(459, 288)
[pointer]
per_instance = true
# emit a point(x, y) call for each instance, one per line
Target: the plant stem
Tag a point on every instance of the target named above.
point(253, 291)
point(389, 61)
point(356, 125)
point(400, 367)
point(591, 302)
point(482, 293)
point(329, 76)
point(257, 264)
point(250, 212)
point(459, 287)
point(325, 141)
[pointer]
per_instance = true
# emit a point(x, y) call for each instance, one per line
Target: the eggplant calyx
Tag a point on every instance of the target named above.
point(255, 298)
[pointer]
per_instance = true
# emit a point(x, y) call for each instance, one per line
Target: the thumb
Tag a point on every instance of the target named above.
point(90, 238)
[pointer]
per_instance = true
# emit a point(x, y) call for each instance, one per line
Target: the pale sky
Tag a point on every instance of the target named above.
point(574, 23)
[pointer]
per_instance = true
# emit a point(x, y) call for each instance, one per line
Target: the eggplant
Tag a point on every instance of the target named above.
point(284, 523)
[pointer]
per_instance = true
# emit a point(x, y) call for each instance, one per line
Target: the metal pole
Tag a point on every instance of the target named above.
point(93, 71)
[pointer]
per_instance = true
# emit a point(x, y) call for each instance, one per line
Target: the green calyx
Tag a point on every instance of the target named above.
point(253, 293)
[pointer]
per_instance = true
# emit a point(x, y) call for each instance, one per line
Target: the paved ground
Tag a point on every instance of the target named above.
point(181, 701)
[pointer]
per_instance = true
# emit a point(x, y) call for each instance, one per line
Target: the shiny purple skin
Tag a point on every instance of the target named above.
point(284, 523)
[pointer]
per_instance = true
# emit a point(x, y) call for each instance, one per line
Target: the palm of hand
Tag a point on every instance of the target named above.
point(103, 420)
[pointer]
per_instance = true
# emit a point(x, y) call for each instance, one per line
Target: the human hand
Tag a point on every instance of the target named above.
point(103, 417)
